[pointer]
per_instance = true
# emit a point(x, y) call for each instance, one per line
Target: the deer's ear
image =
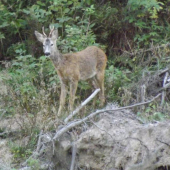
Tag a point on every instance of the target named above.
point(54, 35)
point(39, 36)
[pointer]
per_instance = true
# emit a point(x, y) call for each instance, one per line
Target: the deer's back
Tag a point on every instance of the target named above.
point(85, 64)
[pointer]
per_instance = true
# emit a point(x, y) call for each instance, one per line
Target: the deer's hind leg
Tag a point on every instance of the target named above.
point(100, 81)
point(94, 84)
point(73, 89)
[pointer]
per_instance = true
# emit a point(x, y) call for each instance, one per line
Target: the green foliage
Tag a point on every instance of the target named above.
point(144, 8)
point(31, 84)
point(23, 151)
point(107, 22)
point(117, 25)
point(77, 39)
point(20, 152)
point(144, 16)
point(33, 164)
point(115, 79)
point(152, 113)
point(23, 17)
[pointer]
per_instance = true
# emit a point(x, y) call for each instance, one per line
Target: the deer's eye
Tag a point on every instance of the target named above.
point(51, 44)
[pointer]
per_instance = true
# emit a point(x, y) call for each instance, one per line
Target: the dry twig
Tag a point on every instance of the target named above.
point(74, 151)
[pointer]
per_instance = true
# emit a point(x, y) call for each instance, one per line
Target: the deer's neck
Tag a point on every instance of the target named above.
point(56, 57)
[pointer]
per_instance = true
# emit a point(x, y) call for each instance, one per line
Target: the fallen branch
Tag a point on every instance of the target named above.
point(74, 151)
point(78, 122)
point(82, 105)
point(39, 141)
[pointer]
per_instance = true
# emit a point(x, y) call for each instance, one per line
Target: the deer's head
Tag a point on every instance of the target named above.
point(49, 42)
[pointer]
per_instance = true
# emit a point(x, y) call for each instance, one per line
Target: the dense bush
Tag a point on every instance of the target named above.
point(118, 25)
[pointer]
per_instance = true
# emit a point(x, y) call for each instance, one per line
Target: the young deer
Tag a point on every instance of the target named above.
point(87, 64)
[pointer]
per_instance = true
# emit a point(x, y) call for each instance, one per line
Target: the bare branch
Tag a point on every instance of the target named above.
point(82, 105)
point(74, 151)
point(39, 141)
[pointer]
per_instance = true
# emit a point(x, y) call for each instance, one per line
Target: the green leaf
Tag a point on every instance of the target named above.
point(66, 10)
point(4, 24)
point(40, 3)
point(2, 36)
point(69, 2)
point(26, 11)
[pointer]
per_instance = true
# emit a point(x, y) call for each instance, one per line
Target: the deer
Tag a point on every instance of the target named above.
point(88, 64)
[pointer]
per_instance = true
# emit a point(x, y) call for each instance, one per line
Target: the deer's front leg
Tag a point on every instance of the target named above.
point(73, 89)
point(62, 97)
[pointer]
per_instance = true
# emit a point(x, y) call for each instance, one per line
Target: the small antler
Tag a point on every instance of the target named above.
point(51, 30)
point(43, 31)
